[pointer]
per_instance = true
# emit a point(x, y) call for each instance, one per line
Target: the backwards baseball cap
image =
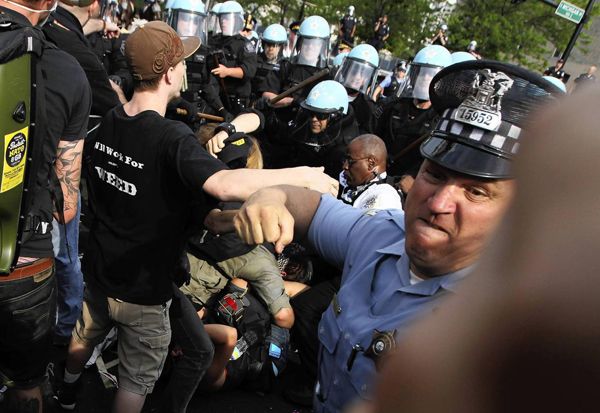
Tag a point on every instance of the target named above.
point(237, 148)
point(155, 47)
point(484, 108)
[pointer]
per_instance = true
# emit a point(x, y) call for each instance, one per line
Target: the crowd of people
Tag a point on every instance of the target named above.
point(247, 197)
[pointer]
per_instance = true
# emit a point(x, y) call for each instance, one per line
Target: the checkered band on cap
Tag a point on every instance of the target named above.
point(513, 94)
point(504, 139)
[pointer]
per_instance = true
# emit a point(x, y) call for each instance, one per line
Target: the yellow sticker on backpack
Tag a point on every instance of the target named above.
point(15, 153)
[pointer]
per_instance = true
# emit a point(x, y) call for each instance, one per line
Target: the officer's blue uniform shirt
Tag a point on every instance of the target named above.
point(364, 244)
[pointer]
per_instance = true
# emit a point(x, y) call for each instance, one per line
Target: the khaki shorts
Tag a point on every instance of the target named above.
point(258, 267)
point(144, 333)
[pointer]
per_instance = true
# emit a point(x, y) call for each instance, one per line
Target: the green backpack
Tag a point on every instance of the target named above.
point(20, 108)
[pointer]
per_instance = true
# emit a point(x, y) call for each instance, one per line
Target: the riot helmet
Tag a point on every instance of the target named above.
point(213, 19)
point(556, 82)
point(319, 120)
point(231, 18)
point(312, 47)
point(359, 70)
point(188, 18)
point(350, 10)
point(484, 107)
point(426, 64)
point(272, 41)
point(458, 57)
point(339, 59)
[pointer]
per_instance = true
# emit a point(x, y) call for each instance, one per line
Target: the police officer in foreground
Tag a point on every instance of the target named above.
point(410, 116)
point(397, 266)
point(358, 75)
point(232, 62)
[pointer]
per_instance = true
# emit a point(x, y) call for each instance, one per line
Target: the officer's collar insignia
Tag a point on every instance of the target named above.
point(483, 107)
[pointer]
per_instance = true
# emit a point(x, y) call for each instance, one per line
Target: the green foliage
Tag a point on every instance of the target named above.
point(524, 34)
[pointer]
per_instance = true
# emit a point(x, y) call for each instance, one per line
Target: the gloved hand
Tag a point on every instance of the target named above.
point(227, 116)
point(182, 110)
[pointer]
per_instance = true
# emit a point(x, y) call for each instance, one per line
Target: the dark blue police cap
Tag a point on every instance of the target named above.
point(483, 107)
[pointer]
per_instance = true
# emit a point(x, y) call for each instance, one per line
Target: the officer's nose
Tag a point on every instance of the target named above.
point(443, 200)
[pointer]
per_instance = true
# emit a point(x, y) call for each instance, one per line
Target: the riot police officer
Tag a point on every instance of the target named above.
point(213, 20)
point(232, 61)
point(268, 60)
point(393, 84)
point(409, 117)
point(312, 50)
point(323, 128)
point(358, 75)
point(188, 18)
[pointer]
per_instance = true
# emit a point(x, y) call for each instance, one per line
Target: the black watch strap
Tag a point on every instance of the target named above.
point(227, 127)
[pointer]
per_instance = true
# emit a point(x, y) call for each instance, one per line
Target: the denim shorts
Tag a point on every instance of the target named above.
point(27, 308)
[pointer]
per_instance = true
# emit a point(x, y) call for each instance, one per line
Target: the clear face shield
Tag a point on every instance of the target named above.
point(272, 51)
point(418, 79)
point(213, 23)
point(355, 75)
point(187, 23)
point(312, 51)
point(231, 23)
point(314, 128)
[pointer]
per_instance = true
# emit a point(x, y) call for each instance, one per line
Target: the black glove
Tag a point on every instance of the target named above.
point(227, 116)
point(182, 110)
point(263, 104)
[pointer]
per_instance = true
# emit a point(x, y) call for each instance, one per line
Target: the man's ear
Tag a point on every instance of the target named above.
point(371, 162)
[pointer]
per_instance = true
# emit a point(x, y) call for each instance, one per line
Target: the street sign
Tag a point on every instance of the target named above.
point(569, 11)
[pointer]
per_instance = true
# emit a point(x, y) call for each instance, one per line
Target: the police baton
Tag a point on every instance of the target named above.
point(299, 86)
point(201, 115)
point(410, 147)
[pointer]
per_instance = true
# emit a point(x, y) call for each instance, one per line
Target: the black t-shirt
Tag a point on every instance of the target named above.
point(67, 106)
point(145, 173)
point(65, 31)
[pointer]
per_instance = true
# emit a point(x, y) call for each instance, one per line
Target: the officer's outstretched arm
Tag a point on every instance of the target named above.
point(68, 171)
point(277, 214)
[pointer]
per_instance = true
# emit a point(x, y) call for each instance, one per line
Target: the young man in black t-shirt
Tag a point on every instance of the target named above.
point(27, 295)
point(145, 173)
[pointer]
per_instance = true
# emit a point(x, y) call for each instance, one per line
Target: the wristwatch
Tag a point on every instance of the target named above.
point(227, 127)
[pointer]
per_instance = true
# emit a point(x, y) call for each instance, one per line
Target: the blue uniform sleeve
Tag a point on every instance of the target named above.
point(386, 82)
point(330, 230)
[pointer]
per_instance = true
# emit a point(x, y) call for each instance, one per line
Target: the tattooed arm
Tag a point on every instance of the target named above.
point(68, 170)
